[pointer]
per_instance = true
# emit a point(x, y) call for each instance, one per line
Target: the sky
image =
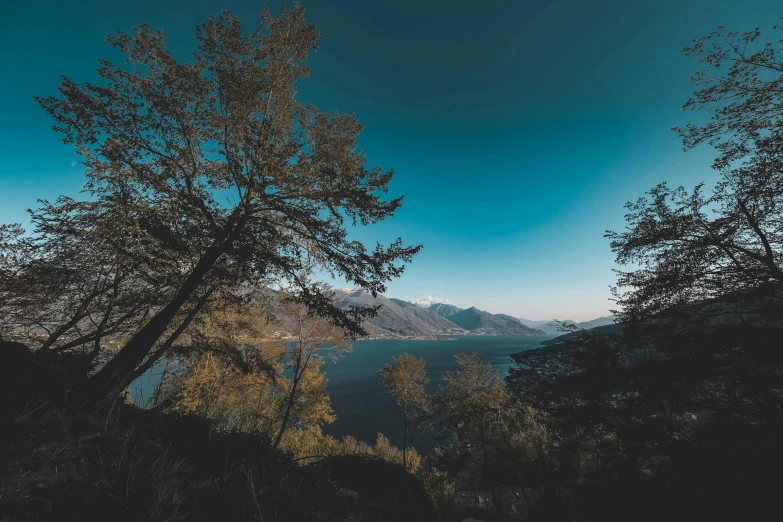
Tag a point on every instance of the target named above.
point(517, 129)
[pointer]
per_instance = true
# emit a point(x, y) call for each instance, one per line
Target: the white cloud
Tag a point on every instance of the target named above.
point(428, 300)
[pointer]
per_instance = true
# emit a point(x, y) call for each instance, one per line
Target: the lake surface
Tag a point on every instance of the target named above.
point(359, 400)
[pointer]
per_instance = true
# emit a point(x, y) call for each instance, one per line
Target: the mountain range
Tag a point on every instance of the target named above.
point(551, 327)
point(397, 318)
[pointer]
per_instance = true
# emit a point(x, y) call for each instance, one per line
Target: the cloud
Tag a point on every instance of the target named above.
point(428, 300)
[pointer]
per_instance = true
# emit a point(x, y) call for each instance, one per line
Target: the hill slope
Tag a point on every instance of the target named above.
point(394, 320)
point(480, 322)
point(550, 327)
point(444, 310)
point(438, 322)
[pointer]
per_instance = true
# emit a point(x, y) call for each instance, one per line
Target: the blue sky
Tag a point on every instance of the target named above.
point(517, 129)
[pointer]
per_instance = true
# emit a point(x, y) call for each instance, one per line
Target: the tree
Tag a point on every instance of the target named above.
point(405, 378)
point(315, 338)
point(509, 437)
point(706, 255)
point(263, 183)
point(81, 276)
point(744, 102)
point(478, 399)
point(231, 399)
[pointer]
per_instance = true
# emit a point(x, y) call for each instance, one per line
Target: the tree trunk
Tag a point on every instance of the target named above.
point(289, 406)
point(299, 368)
point(405, 441)
point(105, 386)
point(155, 357)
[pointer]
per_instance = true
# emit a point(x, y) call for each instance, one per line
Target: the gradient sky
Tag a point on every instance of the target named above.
point(517, 129)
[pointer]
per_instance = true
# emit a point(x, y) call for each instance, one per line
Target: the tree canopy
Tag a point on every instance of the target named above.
point(405, 378)
point(705, 253)
point(240, 179)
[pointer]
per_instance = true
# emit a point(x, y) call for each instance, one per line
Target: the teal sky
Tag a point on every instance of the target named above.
point(517, 129)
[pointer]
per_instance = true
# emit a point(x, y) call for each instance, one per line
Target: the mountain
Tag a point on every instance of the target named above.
point(398, 318)
point(550, 326)
point(612, 329)
point(594, 323)
point(484, 323)
point(438, 322)
point(444, 310)
point(394, 320)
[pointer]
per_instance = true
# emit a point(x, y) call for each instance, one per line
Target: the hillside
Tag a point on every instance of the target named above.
point(613, 329)
point(444, 310)
point(551, 327)
point(399, 318)
point(484, 323)
point(394, 320)
point(438, 322)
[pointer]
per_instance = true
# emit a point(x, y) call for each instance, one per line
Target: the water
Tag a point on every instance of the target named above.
point(360, 403)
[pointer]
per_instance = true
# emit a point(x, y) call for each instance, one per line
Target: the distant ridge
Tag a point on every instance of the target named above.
point(444, 310)
point(482, 322)
point(551, 327)
point(403, 319)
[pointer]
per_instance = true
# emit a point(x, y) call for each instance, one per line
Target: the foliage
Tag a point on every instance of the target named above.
point(692, 248)
point(477, 399)
point(91, 271)
point(405, 378)
point(254, 402)
point(740, 87)
point(160, 467)
point(246, 182)
point(315, 338)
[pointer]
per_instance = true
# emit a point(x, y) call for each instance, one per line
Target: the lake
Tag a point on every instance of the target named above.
point(359, 400)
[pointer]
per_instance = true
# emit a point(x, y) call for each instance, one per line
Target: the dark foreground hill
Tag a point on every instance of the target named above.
point(56, 465)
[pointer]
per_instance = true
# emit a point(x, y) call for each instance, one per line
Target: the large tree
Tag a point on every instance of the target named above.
point(265, 183)
point(702, 253)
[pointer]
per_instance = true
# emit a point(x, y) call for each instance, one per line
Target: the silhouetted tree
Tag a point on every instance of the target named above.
point(690, 248)
point(81, 275)
point(741, 88)
point(405, 378)
point(263, 182)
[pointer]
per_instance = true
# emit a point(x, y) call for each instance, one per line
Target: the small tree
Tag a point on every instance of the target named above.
point(478, 399)
point(405, 378)
point(315, 339)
